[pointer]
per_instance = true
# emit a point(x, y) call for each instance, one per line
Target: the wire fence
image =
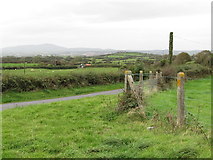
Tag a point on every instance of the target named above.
point(193, 100)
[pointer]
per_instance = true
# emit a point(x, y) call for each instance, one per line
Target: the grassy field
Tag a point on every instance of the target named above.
point(90, 127)
point(197, 100)
point(12, 96)
point(54, 72)
point(123, 58)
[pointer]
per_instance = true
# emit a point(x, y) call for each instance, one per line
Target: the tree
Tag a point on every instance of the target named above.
point(137, 67)
point(204, 58)
point(182, 58)
point(170, 47)
point(93, 61)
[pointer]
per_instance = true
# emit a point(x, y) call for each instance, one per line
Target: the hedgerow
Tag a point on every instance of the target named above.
point(26, 83)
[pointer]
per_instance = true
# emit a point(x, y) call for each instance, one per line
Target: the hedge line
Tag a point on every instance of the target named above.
point(42, 67)
point(61, 67)
point(22, 83)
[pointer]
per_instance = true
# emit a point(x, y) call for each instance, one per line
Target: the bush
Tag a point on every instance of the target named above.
point(135, 68)
point(204, 58)
point(160, 63)
point(194, 70)
point(191, 70)
point(126, 102)
point(169, 71)
point(182, 58)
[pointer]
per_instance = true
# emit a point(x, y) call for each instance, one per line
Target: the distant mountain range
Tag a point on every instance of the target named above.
point(51, 49)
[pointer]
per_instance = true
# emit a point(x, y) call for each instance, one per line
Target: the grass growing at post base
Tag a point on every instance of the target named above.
point(12, 96)
point(90, 127)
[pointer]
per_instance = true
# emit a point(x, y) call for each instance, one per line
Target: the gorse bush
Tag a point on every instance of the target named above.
point(27, 83)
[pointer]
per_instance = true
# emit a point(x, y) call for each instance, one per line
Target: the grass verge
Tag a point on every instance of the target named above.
point(11, 96)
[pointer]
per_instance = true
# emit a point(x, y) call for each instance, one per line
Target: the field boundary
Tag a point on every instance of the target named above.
point(137, 90)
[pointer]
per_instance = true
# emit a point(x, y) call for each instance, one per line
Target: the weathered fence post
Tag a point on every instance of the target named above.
point(161, 74)
point(141, 78)
point(150, 75)
point(126, 84)
point(180, 99)
point(151, 80)
point(161, 77)
point(141, 84)
point(132, 89)
point(157, 76)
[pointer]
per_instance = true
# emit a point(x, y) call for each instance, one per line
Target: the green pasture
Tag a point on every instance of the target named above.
point(197, 101)
point(54, 72)
point(19, 64)
point(91, 128)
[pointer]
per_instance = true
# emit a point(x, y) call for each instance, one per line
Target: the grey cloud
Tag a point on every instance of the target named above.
point(101, 11)
point(105, 23)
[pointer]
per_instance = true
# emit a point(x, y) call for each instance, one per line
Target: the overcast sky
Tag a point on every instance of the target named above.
point(116, 24)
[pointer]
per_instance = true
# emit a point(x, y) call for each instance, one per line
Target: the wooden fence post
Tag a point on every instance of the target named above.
point(150, 75)
point(126, 84)
point(157, 76)
point(134, 90)
point(141, 83)
point(151, 80)
point(161, 74)
point(180, 99)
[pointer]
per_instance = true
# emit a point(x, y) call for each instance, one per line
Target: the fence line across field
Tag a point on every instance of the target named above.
point(147, 75)
point(154, 79)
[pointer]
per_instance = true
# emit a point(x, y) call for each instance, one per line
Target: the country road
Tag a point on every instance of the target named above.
point(22, 104)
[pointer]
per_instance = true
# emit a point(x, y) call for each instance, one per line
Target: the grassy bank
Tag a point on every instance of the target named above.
point(90, 127)
point(12, 96)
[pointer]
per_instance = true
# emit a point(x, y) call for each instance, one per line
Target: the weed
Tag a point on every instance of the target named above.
point(194, 125)
point(115, 142)
point(144, 145)
point(126, 101)
point(186, 153)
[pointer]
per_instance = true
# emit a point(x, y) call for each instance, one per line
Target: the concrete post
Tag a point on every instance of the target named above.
point(180, 99)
